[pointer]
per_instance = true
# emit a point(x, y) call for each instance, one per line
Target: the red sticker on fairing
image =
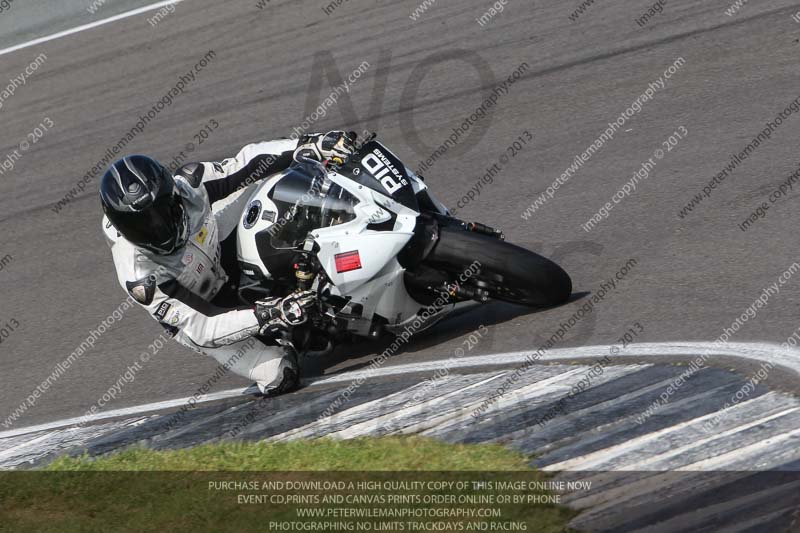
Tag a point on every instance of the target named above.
point(347, 261)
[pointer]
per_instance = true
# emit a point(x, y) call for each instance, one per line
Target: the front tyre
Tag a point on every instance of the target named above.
point(508, 272)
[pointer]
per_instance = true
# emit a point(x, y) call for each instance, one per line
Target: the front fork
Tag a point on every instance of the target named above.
point(476, 290)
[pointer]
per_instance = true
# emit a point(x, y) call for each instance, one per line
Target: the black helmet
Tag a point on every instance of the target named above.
point(142, 202)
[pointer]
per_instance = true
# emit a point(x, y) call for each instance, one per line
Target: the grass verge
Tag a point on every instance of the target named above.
point(248, 487)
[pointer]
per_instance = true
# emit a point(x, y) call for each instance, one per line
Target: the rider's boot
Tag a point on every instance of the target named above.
point(288, 377)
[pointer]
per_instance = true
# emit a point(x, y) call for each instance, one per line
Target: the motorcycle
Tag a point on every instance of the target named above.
point(367, 238)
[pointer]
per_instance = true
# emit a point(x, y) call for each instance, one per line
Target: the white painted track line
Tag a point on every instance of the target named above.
point(89, 26)
point(125, 411)
point(761, 352)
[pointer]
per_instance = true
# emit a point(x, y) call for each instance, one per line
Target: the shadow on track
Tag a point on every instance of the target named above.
point(459, 323)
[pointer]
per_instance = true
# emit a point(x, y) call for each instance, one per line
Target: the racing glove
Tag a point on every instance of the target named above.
point(336, 146)
point(277, 315)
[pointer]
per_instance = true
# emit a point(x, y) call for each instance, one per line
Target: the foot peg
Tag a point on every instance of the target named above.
point(483, 229)
point(479, 294)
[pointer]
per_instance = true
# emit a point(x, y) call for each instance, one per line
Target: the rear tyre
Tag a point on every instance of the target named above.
point(508, 272)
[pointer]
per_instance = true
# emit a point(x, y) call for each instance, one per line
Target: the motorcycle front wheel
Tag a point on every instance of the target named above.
point(508, 272)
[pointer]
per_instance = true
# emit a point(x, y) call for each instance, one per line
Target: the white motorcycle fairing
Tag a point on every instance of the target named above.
point(362, 215)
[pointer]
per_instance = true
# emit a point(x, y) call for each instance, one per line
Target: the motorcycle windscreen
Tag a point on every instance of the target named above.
point(306, 201)
point(379, 169)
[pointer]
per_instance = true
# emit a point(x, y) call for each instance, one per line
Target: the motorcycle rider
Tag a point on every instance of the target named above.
point(172, 239)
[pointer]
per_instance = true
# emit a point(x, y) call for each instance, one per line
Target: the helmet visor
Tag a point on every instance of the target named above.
point(160, 227)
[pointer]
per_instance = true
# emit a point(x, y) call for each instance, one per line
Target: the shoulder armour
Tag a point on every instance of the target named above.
point(143, 290)
point(192, 172)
